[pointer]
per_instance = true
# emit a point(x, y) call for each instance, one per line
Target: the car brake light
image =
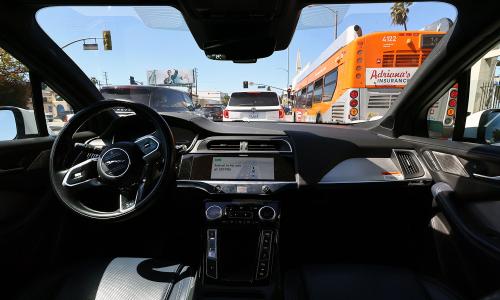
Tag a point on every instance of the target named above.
point(452, 103)
point(353, 103)
point(281, 113)
point(226, 113)
point(453, 93)
point(354, 94)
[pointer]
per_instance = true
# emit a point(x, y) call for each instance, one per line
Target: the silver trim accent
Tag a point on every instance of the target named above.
point(86, 162)
point(274, 213)
point(211, 257)
point(369, 170)
point(215, 218)
point(149, 136)
point(494, 178)
point(128, 164)
point(254, 187)
point(462, 170)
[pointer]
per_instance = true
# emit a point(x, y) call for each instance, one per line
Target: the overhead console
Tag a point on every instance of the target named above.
point(239, 165)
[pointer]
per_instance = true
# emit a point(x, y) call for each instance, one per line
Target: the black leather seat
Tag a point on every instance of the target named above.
point(361, 282)
point(113, 279)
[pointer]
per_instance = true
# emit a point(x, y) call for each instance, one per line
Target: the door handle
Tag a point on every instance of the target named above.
point(493, 178)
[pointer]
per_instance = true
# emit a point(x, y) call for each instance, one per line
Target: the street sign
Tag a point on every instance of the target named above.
point(90, 47)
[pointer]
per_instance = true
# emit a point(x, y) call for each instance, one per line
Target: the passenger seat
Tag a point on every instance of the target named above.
point(353, 282)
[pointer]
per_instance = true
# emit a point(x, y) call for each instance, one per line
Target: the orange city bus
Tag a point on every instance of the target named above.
point(358, 77)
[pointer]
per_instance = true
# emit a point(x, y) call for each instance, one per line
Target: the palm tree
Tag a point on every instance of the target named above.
point(399, 13)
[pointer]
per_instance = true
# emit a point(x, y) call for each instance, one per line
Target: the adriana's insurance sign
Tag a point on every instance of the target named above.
point(388, 76)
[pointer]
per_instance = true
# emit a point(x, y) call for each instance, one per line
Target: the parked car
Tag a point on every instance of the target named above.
point(212, 112)
point(160, 98)
point(253, 106)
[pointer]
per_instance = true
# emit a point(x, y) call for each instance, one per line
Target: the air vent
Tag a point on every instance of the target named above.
point(409, 164)
point(224, 145)
point(264, 146)
point(250, 145)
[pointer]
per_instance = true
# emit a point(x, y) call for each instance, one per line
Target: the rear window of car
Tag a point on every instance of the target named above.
point(211, 109)
point(138, 95)
point(254, 99)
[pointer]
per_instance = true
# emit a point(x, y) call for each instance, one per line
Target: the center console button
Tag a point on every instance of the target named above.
point(213, 212)
point(267, 213)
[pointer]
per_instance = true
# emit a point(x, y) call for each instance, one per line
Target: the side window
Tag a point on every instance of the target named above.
point(441, 115)
point(330, 85)
point(318, 90)
point(57, 111)
point(309, 95)
point(483, 110)
point(17, 118)
point(482, 124)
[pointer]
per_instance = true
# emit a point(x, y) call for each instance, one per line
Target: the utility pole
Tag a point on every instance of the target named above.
point(288, 68)
point(106, 77)
point(334, 12)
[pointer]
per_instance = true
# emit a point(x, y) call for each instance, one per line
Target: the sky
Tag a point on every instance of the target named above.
point(138, 48)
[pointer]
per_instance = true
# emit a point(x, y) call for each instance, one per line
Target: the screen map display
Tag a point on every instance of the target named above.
point(243, 168)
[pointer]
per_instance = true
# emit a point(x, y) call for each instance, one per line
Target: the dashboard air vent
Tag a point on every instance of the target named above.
point(224, 145)
point(264, 145)
point(409, 164)
point(246, 145)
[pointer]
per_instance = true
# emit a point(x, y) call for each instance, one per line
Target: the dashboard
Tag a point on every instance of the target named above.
point(267, 158)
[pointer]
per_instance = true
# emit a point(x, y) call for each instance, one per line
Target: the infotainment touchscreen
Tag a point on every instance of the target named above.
point(243, 168)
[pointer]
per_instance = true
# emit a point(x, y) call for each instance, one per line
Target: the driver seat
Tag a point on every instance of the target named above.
point(118, 278)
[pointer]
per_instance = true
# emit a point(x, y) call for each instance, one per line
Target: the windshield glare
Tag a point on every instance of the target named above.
point(346, 63)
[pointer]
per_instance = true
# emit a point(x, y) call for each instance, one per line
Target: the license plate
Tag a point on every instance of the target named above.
point(253, 115)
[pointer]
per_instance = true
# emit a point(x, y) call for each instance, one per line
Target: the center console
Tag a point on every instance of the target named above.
point(243, 177)
point(241, 241)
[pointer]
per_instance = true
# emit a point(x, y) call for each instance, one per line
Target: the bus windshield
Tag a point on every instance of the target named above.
point(347, 63)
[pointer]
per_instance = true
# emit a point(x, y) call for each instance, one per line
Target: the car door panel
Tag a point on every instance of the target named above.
point(466, 225)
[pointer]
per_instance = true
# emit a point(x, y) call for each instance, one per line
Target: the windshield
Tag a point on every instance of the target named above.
point(346, 63)
point(254, 99)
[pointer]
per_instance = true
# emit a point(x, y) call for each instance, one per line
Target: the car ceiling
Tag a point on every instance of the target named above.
point(247, 29)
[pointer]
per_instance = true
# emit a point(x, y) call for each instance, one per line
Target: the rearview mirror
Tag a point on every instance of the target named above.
point(8, 125)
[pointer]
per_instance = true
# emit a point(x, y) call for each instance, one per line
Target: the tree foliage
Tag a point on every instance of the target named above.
point(14, 81)
point(399, 13)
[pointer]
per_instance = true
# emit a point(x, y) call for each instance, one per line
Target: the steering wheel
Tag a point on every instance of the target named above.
point(133, 172)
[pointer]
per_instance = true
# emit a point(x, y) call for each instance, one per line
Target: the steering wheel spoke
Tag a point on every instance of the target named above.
point(81, 176)
point(149, 146)
point(129, 198)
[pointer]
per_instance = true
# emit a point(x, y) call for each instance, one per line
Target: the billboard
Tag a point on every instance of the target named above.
point(170, 77)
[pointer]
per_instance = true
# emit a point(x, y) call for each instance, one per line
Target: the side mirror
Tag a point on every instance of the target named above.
point(17, 123)
point(484, 126)
point(8, 125)
point(491, 127)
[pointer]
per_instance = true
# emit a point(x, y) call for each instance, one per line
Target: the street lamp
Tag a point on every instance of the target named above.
point(287, 70)
point(334, 12)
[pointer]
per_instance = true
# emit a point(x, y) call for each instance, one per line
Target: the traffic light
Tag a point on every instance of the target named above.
point(289, 92)
point(106, 36)
point(245, 84)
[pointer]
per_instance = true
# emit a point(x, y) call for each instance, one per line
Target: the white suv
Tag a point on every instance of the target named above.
point(253, 106)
